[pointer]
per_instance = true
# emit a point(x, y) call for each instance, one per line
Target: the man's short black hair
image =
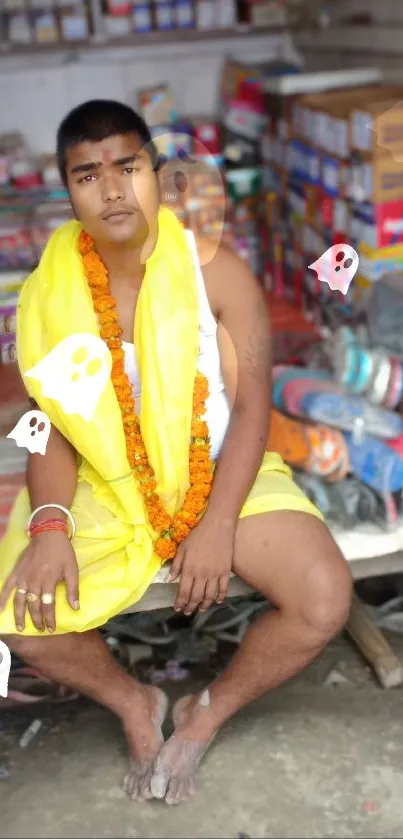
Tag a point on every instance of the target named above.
point(96, 120)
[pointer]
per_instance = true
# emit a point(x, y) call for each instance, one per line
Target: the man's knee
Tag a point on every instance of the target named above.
point(326, 596)
point(22, 645)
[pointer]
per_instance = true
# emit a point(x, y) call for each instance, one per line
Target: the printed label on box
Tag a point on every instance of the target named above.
point(313, 166)
point(340, 216)
point(331, 175)
point(361, 131)
point(297, 202)
point(362, 182)
point(322, 130)
point(307, 124)
point(340, 141)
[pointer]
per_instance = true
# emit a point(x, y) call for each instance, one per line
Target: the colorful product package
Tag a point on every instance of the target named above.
point(8, 349)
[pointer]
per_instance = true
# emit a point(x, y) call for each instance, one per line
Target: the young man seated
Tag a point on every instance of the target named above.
point(171, 465)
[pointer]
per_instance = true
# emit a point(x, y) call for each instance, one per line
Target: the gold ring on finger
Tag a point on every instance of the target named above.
point(22, 591)
point(47, 598)
point(31, 597)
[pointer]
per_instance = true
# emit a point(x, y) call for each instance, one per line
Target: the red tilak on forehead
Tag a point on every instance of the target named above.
point(107, 157)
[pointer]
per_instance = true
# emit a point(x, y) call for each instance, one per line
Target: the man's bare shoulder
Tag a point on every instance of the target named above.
point(225, 272)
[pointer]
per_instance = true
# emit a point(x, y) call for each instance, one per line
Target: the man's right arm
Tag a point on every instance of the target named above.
point(52, 477)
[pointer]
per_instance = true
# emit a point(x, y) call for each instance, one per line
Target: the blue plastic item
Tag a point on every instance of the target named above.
point(374, 463)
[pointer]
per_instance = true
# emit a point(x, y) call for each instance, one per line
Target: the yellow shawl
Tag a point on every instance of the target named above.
point(55, 303)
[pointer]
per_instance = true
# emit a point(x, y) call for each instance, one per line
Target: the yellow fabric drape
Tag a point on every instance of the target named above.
point(114, 541)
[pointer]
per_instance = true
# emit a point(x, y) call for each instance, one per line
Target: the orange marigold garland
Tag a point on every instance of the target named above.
point(171, 529)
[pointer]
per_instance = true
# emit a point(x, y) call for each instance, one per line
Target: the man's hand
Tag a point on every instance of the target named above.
point(48, 560)
point(203, 563)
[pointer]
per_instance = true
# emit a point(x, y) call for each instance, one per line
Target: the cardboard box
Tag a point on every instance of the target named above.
point(377, 128)
point(310, 114)
point(376, 226)
point(156, 104)
point(378, 181)
point(324, 119)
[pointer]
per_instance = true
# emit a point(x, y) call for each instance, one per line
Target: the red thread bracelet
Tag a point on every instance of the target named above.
point(48, 526)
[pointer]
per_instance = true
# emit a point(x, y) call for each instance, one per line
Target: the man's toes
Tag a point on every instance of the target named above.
point(178, 791)
point(128, 783)
point(137, 784)
point(172, 796)
point(159, 780)
point(144, 786)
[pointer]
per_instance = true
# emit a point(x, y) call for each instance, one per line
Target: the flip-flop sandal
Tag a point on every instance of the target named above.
point(325, 450)
point(288, 439)
point(292, 373)
point(376, 464)
point(295, 391)
point(344, 500)
point(396, 445)
point(315, 490)
point(395, 385)
point(344, 467)
point(27, 687)
point(342, 412)
point(353, 364)
point(378, 385)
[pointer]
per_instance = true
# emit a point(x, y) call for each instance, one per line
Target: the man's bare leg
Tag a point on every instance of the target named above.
point(83, 661)
point(292, 560)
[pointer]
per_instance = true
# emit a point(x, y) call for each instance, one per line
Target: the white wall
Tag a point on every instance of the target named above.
point(35, 92)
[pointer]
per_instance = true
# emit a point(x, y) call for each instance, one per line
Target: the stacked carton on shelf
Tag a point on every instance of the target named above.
point(323, 190)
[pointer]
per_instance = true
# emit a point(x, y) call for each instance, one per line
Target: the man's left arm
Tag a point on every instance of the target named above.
point(204, 559)
point(245, 349)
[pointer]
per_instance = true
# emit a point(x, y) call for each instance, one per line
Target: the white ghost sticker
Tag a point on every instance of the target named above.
point(5, 666)
point(75, 373)
point(337, 267)
point(32, 432)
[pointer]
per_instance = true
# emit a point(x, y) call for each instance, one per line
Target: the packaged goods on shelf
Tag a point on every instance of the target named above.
point(267, 13)
point(8, 308)
point(45, 25)
point(18, 28)
point(330, 192)
point(11, 283)
point(164, 15)
point(116, 26)
point(142, 17)
point(156, 104)
point(75, 22)
point(8, 349)
point(215, 14)
point(184, 14)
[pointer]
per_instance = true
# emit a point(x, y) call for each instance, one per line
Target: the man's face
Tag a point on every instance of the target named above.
point(113, 188)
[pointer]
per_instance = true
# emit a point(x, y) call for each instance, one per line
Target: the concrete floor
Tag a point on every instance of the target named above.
point(310, 760)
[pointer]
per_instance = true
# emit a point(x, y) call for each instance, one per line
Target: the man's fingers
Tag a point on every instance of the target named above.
point(185, 587)
point(196, 596)
point(48, 609)
point(7, 589)
point(35, 607)
point(222, 588)
point(209, 595)
point(20, 604)
point(176, 566)
point(71, 581)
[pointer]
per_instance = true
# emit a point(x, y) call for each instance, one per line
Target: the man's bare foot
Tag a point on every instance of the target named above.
point(179, 758)
point(142, 727)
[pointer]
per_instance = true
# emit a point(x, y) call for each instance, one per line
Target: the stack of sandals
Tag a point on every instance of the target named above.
point(350, 452)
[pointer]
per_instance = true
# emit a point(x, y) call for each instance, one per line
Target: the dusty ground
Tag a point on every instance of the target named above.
point(310, 760)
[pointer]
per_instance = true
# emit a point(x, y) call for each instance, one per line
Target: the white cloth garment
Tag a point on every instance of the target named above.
point(217, 407)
